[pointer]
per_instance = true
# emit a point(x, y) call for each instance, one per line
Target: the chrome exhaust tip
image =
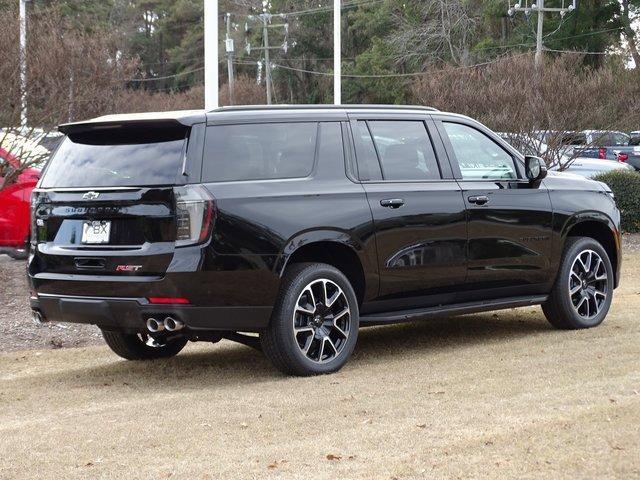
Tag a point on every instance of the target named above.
point(173, 325)
point(37, 317)
point(154, 325)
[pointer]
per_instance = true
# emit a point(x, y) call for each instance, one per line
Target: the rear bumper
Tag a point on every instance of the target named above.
point(130, 314)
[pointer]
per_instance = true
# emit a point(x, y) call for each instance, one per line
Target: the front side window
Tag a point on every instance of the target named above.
point(405, 150)
point(479, 157)
point(259, 151)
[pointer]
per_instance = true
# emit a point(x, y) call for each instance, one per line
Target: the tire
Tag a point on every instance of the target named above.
point(327, 329)
point(18, 254)
point(589, 306)
point(132, 347)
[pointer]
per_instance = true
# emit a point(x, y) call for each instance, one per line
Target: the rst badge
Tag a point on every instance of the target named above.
point(128, 268)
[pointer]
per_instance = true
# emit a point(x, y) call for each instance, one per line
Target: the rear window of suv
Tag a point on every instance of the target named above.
point(117, 157)
point(259, 151)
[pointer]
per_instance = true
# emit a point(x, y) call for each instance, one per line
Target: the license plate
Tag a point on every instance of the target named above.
point(96, 231)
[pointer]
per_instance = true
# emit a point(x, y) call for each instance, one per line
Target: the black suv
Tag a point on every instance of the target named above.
point(301, 224)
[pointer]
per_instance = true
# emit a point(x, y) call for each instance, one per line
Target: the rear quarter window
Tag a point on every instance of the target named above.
point(259, 151)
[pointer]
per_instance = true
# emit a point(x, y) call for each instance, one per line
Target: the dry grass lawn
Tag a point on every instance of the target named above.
point(480, 396)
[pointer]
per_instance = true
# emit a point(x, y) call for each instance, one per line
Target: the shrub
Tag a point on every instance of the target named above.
point(626, 188)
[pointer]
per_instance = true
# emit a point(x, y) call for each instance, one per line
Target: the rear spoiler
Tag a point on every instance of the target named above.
point(162, 120)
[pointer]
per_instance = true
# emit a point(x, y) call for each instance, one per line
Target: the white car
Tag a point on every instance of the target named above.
point(590, 167)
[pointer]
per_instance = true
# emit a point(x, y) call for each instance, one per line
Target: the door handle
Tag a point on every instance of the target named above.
point(479, 199)
point(392, 202)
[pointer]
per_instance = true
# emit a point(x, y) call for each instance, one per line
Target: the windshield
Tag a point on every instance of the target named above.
point(131, 157)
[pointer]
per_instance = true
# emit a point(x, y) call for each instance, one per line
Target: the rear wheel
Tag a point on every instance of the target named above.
point(314, 326)
point(131, 346)
point(583, 291)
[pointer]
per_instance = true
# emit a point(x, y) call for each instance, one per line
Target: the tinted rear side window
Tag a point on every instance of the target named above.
point(259, 151)
point(405, 150)
point(119, 157)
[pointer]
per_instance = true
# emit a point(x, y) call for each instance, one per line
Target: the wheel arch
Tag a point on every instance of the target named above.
point(602, 229)
point(333, 248)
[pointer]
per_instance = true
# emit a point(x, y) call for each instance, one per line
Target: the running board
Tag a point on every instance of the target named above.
point(455, 309)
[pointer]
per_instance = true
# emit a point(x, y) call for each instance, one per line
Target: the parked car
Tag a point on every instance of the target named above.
point(15, 198)
point(611, 145)
point(302, 224)
point(590, 167)
point(563, 142)
point(14, 207)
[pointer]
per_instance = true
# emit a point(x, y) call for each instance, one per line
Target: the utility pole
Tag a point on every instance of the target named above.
point(337, 53)
point(265, 38)
point(210, 54)
point(539, 44)
point(23, 64)
point(230, 48)
point(541, 10)
point(265, 21)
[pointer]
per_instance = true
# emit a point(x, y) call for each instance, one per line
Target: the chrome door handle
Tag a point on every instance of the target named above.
point(392, 202)
point(479, 199)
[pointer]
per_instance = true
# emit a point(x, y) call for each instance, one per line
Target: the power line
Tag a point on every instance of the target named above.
point(579, 52)
point(329, 8)
point(153, 79)
point(392, 75)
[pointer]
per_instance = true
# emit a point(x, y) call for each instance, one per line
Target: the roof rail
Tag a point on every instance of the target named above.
point(321, 106)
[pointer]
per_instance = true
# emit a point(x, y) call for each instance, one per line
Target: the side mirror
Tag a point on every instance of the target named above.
point(535, 169)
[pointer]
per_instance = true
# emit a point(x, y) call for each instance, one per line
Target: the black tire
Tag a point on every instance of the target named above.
point(131, 347)
point(560, 308)
point(283, 347)
point(18, 254)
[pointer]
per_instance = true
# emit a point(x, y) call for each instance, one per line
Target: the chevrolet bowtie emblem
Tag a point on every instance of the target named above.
point(90, 195)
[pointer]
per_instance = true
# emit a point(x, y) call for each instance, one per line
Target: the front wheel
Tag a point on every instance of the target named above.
point(314, 326)
point(582, 294)
point(131, 346)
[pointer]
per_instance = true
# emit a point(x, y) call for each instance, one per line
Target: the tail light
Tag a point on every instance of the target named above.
point(602, 153)
point(32, 212)
point(195, 212)
point(623, 157)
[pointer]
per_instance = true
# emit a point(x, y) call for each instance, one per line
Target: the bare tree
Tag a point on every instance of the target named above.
point(538, 109)
point(442, 29)
point(71, 74)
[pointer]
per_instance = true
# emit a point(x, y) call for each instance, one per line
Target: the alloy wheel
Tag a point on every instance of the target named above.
point(321, 321)
point(588, 284)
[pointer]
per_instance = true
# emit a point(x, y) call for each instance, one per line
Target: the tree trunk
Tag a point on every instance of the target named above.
point(630, 34)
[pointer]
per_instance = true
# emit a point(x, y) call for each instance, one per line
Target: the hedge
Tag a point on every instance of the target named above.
point(625, 185)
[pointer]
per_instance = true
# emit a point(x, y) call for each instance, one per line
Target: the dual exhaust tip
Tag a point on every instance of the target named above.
point(169, 324)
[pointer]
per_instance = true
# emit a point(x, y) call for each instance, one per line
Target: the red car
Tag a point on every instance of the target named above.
point(14, 207)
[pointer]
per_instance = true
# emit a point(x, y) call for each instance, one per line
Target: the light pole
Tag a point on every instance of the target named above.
point(337, 53)
point(210, 54)
point(23, 63)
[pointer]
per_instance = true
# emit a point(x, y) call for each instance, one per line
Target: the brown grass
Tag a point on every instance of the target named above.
point(481, 396)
